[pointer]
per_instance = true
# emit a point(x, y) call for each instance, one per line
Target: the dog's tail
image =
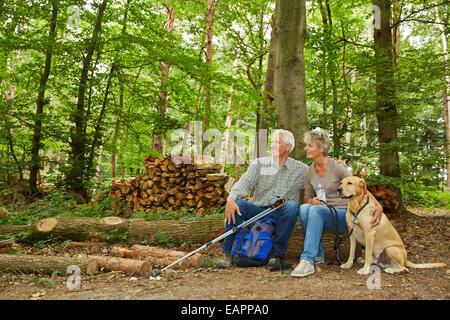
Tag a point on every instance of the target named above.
point(409, 264)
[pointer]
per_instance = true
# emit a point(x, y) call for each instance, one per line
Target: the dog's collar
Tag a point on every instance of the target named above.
point(360, 209)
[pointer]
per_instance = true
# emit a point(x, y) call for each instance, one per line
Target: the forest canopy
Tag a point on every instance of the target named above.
point(88, 88)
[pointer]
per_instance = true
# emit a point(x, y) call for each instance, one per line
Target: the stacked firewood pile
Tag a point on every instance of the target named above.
point(173, 187)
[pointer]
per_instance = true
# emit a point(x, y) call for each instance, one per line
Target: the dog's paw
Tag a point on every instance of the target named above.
point(364, 271)
point(346, 265)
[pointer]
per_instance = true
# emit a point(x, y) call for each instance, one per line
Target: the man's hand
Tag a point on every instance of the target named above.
point(230, 208)
point(377, 213)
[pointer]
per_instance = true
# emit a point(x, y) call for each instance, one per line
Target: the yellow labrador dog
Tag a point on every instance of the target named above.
point(384, 246)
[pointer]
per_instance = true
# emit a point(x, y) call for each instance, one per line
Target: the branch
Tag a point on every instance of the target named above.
point(427, 21)
point(417, 11)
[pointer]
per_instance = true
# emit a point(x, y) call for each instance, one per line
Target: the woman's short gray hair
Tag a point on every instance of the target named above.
point(288, 137)
point(321, 137)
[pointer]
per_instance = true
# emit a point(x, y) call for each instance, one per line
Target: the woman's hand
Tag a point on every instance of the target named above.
point(376, 212)
point(315, 201)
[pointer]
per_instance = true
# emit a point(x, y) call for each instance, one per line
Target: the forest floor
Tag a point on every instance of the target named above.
point(425, 234)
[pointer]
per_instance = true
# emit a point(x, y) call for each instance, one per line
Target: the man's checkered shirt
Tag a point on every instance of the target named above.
point(270, 181)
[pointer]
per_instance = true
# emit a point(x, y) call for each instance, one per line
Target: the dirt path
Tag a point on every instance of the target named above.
point(426, 239)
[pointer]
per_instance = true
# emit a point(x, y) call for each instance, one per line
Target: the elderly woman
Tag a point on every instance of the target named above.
point(321, 180)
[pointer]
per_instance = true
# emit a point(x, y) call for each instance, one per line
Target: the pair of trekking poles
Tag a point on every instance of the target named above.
point(276, 204)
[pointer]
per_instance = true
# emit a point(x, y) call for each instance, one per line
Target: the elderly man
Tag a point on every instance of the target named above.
point(273, 176)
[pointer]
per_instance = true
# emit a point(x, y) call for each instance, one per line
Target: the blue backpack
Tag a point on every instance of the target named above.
point(251, 246)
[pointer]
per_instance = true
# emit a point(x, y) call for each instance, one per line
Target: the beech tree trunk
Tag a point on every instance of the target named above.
point(79, 169)
point(446, 109)
point(37, 131)
point(158, 137)
point(386, 110)
point(209, 36)
point(289, 75)
point(268, 99)
point(121, 105)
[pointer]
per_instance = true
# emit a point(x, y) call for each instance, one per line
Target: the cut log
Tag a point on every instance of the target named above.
point(129, 266)
point(80, 228)
point(6, 243)
point(149, 251)
point(161, 259)
point(176, 232)
point(94, 246)
point(45, 264)
point(19, 232)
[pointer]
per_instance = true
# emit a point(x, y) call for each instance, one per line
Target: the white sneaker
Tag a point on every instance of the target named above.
point(303, 269)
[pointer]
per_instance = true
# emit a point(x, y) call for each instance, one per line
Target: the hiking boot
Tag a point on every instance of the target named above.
point(277, 263)
point(225, 262)
point(318, 260)
point(303, 269)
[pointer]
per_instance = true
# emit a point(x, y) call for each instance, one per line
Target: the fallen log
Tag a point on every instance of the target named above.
point(45, 264)
point(16, 231)
point(129, 266)
point(157, 256)
point(114, 230)
point(80, 228)
point(6, 243)
point(94, 246)
point(175, 232)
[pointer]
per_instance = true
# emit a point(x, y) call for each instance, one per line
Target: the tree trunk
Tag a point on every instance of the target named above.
point(45, 264)
point(79, 169)
point(267, 103)
point(331, 70)
point(386, 110)
point(446, 109)
point(97, 130)
point(37, 131)
point(121, 105)
point(289, 75)
point(385, 94)
point(209, 36)
point(158, 137)
point(396, 17)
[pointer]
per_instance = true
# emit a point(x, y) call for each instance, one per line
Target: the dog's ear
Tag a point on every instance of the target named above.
point(363, 185)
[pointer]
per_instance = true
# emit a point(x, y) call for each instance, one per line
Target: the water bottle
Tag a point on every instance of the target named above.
point(321, 193)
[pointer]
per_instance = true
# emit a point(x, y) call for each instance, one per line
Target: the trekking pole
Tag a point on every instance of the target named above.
point(278, 203)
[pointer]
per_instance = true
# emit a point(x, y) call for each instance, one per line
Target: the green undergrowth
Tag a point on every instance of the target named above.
point(58, 204)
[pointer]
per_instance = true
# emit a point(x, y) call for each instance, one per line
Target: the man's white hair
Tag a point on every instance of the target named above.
point(288, 137)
